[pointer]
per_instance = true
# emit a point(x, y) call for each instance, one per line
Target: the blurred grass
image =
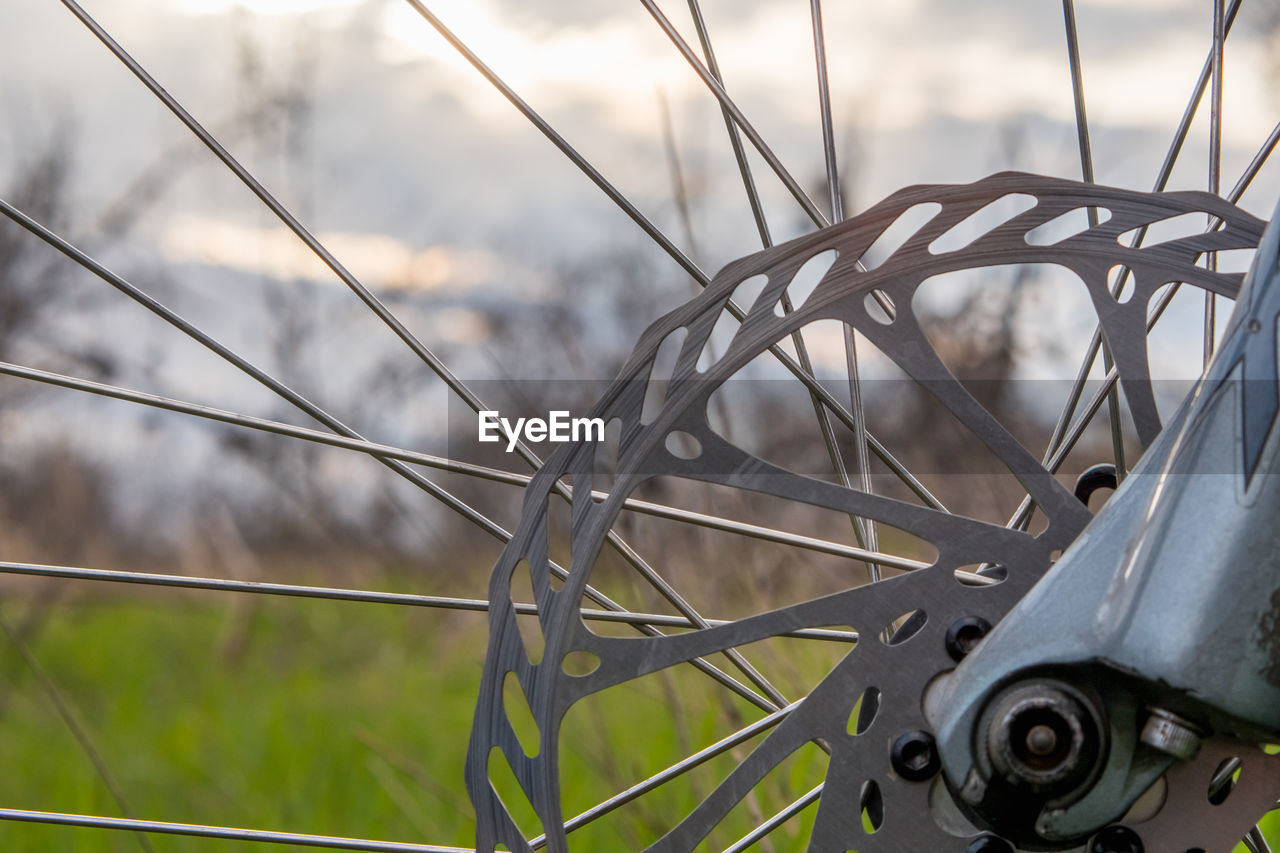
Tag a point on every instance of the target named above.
point(321, 717)
point(300, 716)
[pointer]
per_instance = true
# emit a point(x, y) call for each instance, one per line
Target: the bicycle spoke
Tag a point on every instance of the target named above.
point(439, 493)
point(242, 364)
point(776, 821)
point(731, 129)
point(806, 203)
point(1256, 841)
point(273, 204)
point(797, 337)
point(264, 195)
point(800, 370)
point(629, 554)
point(1161, 181)
point(795, 368)
point(556, 139)
point(679, 768)
point(1063, 441)
point(223, 832)
point(766, 240)
point(1086, 171)
point(824, 105)
point(623, 617)
point(865, 527)
point(496, 475)
point(1215, 169)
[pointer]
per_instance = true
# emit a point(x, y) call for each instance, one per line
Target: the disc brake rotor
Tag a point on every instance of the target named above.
point(894, 659)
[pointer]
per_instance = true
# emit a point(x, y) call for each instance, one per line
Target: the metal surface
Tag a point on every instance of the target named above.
point(1146, 563)
point(1170, 733)
point(1086, 172)
point(224, 833)
point(932, 586)
point(900, 671)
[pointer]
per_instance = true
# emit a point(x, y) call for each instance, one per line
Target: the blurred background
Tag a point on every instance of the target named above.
point(530, 284)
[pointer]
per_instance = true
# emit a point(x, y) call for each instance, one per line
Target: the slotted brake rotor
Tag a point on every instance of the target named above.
point(901, 664)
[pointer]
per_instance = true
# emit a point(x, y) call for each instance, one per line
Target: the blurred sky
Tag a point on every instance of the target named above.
point(424, 177)
point(408, 143)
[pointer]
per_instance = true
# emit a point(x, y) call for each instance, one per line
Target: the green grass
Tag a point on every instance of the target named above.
point(312, 717)
point(321, 717)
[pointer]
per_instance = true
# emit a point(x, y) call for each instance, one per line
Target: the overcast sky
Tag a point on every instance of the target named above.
point(421, 176)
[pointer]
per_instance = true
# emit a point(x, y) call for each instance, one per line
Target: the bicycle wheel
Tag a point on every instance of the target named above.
point(908, 519)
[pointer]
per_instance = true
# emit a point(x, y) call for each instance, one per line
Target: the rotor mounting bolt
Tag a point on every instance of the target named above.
point(964, 634)
point(1116, 839)
point(1171, 734)
point(914, 756)
point(989, 844)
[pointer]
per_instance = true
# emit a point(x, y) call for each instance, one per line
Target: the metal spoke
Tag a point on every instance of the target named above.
point(448, 499)
point(727, 103)
point(1086, 171)
point(616, 196)
point(496, 475)
point(1256, 841)
point(824, 105)
point(288, 219)
point(776, 821)
point(273, 204)
point(735, 137)
point(625, 617)
point(223, 832)
point(797, 337)
point(679, 768)
point(865, 527)
point(628, 553)
point(1060, 434)
point(795, 368)
point(1215, 168)
point(1162, 179)
point(276, 386)
point(800, 370)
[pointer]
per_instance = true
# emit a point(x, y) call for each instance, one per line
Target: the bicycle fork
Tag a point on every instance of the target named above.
point(1154, 636)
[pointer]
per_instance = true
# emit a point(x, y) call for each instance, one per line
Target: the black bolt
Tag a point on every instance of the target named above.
point(989, 844)
point(964, 634)
point(915, 756)
point(1116, 839)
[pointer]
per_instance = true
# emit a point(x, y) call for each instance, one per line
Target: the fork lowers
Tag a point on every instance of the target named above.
point(1039, 743)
